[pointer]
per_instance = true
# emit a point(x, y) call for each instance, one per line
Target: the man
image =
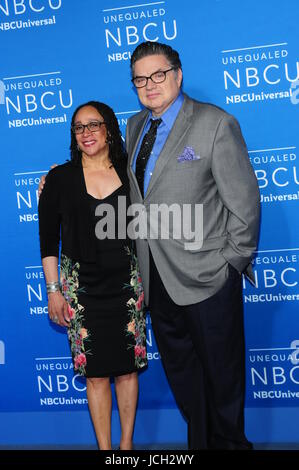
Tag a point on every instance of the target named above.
point(186, 152)
point(190, 153)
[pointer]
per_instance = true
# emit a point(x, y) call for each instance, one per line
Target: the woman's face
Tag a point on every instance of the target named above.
point(91, 142)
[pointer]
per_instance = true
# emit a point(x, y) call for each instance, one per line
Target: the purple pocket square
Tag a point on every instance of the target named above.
point(188, 155)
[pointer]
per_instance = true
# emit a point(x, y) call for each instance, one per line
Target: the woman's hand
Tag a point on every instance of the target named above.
point(58, 309)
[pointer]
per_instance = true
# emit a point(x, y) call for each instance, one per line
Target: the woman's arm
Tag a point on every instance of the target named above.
point(49, 216)
point(57, 305)
point(49, 234)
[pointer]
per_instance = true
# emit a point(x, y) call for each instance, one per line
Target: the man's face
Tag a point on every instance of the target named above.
point(157, 96)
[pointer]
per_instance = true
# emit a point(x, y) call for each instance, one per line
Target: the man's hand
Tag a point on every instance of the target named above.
point(43, 180)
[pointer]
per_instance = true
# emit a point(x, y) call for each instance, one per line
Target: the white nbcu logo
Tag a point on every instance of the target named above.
point(2, 353)
point(18, 7)
point(2, 92)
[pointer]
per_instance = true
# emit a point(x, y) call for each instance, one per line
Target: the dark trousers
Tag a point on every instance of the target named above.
point(202, 351)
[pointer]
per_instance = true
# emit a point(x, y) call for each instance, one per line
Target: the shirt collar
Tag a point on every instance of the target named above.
point(171, 113)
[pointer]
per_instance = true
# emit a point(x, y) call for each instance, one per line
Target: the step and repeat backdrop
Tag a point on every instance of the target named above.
point(57, 54)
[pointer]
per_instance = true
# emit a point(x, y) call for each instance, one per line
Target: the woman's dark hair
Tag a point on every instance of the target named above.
point(117, 152)
point(156, 48)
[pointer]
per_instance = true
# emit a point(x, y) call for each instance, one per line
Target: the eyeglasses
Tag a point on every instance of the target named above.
point(92, 126)
point(156, 77)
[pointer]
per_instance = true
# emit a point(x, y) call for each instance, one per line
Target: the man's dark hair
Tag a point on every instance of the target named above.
point(117, 153)
point(152, 48)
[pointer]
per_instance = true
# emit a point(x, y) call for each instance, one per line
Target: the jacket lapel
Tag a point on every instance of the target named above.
point(176, 135)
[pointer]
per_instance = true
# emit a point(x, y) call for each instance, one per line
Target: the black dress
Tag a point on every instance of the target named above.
point(105, 298)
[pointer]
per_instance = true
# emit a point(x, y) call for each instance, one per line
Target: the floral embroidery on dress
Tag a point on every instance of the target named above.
point(136, 325)
point(69, 280)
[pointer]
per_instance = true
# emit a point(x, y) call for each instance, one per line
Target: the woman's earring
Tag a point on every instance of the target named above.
point(108, 138)
point(78, 148)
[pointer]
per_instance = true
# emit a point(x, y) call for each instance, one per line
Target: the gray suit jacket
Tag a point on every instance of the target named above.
point(221, 179)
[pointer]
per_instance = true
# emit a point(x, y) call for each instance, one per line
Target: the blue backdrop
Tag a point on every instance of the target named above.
point(57, 54)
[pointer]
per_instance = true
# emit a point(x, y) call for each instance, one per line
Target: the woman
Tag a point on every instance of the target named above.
point(99, 298)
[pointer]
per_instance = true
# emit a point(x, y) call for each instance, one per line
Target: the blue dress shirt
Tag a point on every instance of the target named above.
point(165, 127)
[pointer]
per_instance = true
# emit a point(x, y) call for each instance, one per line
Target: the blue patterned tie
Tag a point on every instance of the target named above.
point(145, 151)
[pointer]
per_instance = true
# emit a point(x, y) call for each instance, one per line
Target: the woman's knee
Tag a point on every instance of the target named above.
point(132, 377)
point(98, 382)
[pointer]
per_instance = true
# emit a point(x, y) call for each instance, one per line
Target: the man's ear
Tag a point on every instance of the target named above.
point(180, 77)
